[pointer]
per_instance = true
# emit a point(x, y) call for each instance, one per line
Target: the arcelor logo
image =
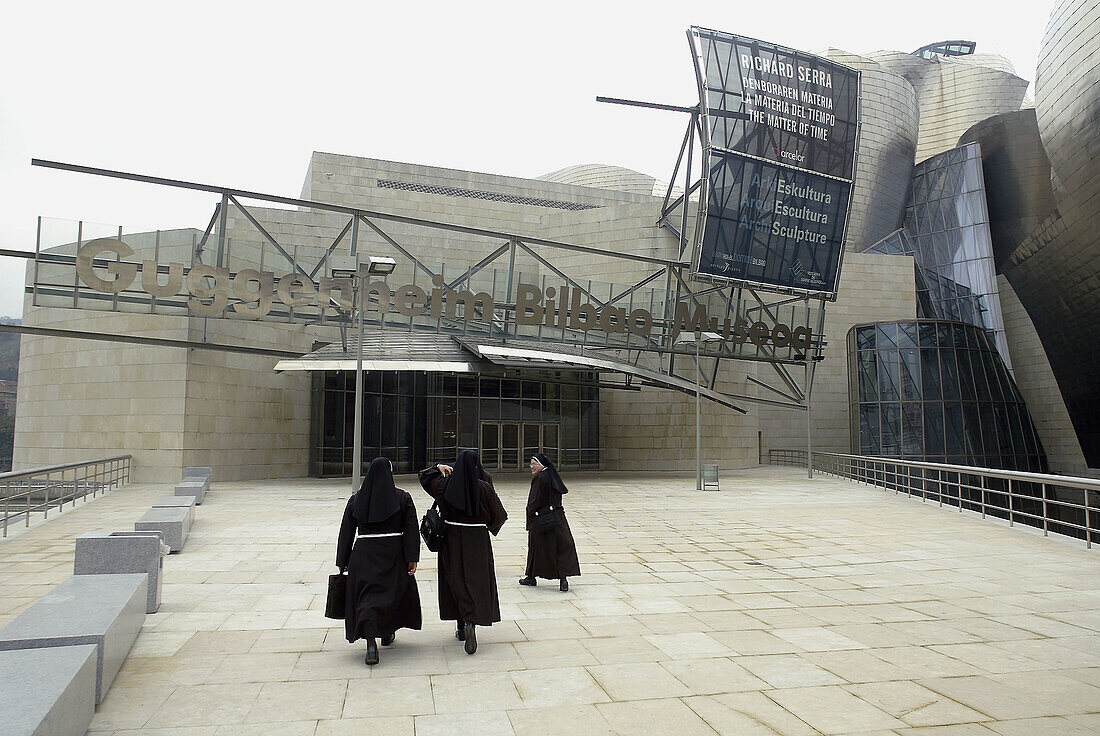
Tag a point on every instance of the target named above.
point(789, 155)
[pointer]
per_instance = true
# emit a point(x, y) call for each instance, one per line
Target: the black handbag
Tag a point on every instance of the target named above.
point(431, 528)
point(337, 595)
point(547, 518)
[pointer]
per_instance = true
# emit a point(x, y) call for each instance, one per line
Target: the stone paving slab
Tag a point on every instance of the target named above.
point(779, 605)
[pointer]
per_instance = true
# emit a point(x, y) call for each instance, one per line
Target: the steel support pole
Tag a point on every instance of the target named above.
point(698, 422)
point(357, 447)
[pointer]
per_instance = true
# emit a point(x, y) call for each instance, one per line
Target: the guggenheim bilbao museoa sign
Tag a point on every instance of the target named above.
point(780, 131)
point(208, 291)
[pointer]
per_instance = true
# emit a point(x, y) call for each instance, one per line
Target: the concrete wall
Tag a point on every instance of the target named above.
point(88, 399)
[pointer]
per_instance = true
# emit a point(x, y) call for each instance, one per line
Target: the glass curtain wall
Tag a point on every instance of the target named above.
point(947, 232)
point(937, 391)
point(416, 419)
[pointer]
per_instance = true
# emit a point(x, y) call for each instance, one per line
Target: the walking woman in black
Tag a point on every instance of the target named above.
point(379, 547)
point(551, 552)
point(471, 511)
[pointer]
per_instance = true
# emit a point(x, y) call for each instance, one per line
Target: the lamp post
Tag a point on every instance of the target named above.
point(375, 266)
point(698, 337)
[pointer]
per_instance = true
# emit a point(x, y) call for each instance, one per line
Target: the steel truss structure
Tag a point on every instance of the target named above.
point(657, 351)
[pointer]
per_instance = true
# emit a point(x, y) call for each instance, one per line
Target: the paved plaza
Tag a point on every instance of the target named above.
point(778, 605)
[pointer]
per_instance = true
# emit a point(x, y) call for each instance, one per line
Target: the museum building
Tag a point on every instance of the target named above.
point(551, 314)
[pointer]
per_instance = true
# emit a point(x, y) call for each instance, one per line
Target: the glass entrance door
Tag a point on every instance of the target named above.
point(507, 446)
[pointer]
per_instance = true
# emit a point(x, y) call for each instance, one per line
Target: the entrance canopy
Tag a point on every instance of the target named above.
point(386, 351)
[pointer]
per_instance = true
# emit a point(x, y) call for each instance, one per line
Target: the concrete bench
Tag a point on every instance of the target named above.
point(192, 487)
point(114, 553)
point(48, 692)
point(203, 473)
point(187, 501)
point(105, 610)
point(174, 524)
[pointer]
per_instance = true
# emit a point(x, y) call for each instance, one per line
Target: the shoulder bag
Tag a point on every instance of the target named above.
point(431, 528)
point(547, 518)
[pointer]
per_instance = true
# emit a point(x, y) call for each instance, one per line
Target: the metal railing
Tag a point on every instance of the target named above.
point(41, 489)
point(1054, 503)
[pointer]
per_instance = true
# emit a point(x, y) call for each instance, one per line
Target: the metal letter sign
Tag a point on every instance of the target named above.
point(780, 128)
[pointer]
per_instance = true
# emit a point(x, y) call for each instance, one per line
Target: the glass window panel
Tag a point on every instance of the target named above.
point(888, 380)
point(1004, 430)
point(981, 388)
point(869, 430)
point(334, 380)
point(966, 376)
point(954, 430)
point(467, 385)
point(490, 386)
point(550, 391)
point(550, 442)
point(926, 334)
point(490, 445)
point(972, 422)
point(989, 428)
point(868, 377)
point(372, 438)
point(509, 388)
point(531, 441)
point(890, 422)
point(933, 428)
point(887, 335)
point(510, 409)
point(389, 382)
point(467, 422)
point(865, 338)
point(949, 374)
point(910, 375)
point(333, 427)
point(930, 374)
point(532, 410)
point(532, 390)
point(550, 411)
point(907, 335)
point(912, 433)
point(509, 446)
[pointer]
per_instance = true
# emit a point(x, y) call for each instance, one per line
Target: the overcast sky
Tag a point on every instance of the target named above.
point(239, 94)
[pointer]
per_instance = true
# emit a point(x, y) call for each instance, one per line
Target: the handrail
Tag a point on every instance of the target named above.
point(1063, 504)
point(40, 489)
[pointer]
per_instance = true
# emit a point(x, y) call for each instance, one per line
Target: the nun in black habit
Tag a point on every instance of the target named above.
point(471, 511)
point(379, 547)
point(551, 554)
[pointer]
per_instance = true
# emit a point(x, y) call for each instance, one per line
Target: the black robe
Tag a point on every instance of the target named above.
point(550, 554)
point(467, 578)
point(382, 595)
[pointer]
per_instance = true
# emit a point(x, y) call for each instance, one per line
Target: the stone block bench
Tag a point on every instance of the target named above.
point(105, 610)
point(173, 522)
point(193, 487)
point(114, 553)
point(201, 473)
point(49, 691)
point(186, 501)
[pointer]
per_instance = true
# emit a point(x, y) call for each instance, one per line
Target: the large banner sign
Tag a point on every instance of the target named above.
point(781, 128)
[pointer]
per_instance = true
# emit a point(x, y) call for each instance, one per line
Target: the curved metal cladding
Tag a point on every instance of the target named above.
point(1017, 178)
point(887, 142)
point(1055, 270)
point(937, 391)
point(955, 93)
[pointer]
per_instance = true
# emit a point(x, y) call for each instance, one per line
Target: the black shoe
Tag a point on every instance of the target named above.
point(460, 634)
point(372, 652)
point(564, 587)
point(529, 580)
point(387, 639)
point(470, 639)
